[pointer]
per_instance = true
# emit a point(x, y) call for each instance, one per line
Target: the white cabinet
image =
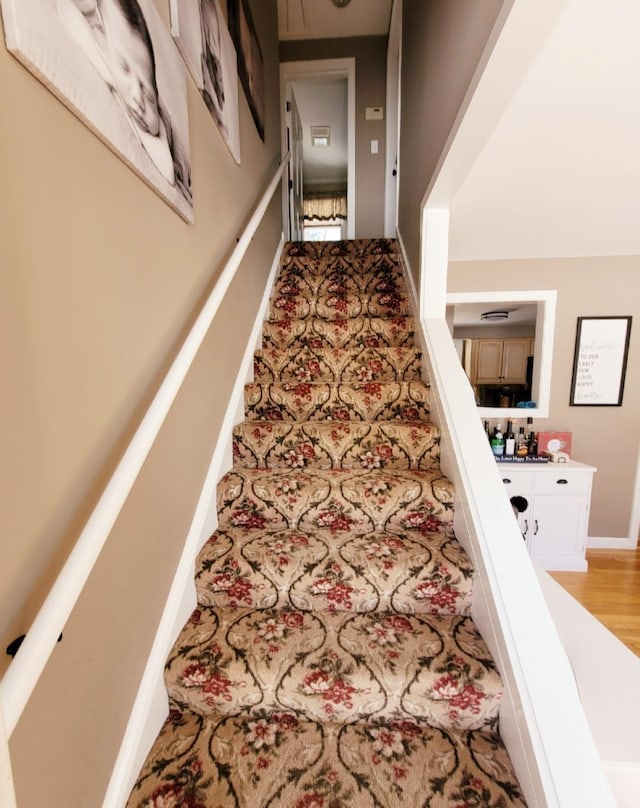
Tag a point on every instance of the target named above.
point(555, 510)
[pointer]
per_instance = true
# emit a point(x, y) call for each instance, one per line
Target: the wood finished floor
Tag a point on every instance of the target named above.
point(610, 590)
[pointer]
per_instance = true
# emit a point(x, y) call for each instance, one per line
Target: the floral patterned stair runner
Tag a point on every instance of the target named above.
point(331, 660)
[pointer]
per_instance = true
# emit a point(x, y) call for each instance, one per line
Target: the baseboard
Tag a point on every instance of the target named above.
point(413, 295)
point(414, 300)
point(611, 543)
point(150, 707)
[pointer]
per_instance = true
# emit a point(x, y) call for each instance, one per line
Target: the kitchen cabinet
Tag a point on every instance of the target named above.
point(555, 519)
point(500, 361)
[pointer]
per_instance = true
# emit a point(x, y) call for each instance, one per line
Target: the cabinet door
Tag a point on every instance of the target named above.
point(518, 486)
point(488, 361)
point(514, 361)
point(557, 532)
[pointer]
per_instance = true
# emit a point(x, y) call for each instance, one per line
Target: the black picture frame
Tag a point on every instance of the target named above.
point(250, 61)
point(600, 361)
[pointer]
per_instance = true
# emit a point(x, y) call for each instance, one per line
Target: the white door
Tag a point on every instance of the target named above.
point(294, 170)
point(392, 121)
point(313, 71)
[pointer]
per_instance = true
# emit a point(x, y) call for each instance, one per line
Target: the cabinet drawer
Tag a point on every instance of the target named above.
point(516, 482)
point(569, 482)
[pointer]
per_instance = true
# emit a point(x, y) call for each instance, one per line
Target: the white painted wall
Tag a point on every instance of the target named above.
point(560, 173)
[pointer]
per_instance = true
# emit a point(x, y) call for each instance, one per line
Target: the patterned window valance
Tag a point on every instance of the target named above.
point(325, 205)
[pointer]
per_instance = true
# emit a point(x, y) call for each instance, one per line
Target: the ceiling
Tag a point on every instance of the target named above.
point(321, 19)
point(560, 174)
point(468, 314)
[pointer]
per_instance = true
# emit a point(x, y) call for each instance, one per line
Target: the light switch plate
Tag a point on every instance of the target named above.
point(374, 147)
point(373, 113)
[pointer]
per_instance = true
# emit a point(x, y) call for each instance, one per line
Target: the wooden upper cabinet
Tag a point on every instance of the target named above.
point(500, 361)
point(488, 364)
point(514, 361)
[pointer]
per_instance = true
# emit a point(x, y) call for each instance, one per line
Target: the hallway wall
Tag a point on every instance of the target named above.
point(370, 55)
point(100, 283)
point(441, 46)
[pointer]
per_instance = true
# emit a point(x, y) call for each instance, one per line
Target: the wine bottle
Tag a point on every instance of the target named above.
point(497, 441)
point(522, 447)
point(509, 441)
point(532, 445)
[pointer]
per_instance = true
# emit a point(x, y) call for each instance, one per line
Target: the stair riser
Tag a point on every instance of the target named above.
point(378, 401)
point(295, 282)
point(314, 664)
point(359, 332)
point(336, 446)
point(406, 573)
point(322, 365)
point(334, 307)
point(355, 251)
point(341, 501)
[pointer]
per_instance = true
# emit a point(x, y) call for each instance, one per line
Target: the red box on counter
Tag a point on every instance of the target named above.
point(549, 442)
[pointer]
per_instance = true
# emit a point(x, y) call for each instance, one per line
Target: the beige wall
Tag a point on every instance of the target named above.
point(494, 332)
point(605, 437)
point(100, 282)
point(370, 54)
point(441, 45)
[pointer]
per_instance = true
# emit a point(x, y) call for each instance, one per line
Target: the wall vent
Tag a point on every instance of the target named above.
point(321, 137)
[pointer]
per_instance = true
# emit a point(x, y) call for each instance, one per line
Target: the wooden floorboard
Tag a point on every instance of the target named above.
point(610, 590)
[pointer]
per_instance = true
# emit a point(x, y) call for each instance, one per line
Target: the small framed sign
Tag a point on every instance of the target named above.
point(600, 361)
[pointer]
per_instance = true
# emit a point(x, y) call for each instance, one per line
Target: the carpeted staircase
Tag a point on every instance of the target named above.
point(332, 662)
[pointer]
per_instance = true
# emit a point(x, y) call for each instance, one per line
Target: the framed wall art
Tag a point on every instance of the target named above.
point(600, 361)
point(115, 66)
point(205, 43)
point(250, 61)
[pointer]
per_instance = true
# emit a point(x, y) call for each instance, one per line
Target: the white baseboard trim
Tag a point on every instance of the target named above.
point(414, 303)
point(413, 294)
point(151, 706)
point(611, 543)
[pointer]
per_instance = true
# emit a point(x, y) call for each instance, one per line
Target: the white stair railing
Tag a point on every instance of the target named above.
point(25, 670)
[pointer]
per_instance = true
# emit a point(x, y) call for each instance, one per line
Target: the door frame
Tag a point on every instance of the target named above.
point(290, 71)
point(392, 134)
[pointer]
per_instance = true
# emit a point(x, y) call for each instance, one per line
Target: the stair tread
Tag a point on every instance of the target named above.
point(357, 501)
point(405, 572)
point(352, 248)
point(296, 280)
point(328, 666)
point(330, 444)
point(339, 333)
point(281, 760)
point(338, 401)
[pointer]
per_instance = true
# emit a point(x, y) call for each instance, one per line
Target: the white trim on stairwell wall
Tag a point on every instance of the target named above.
point(413, 297)
point(150, 707)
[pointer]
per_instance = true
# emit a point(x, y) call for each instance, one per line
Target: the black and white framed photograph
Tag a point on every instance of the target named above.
point(250, 61)
point(115, 66)
point(202, 36)
point(600, 361)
